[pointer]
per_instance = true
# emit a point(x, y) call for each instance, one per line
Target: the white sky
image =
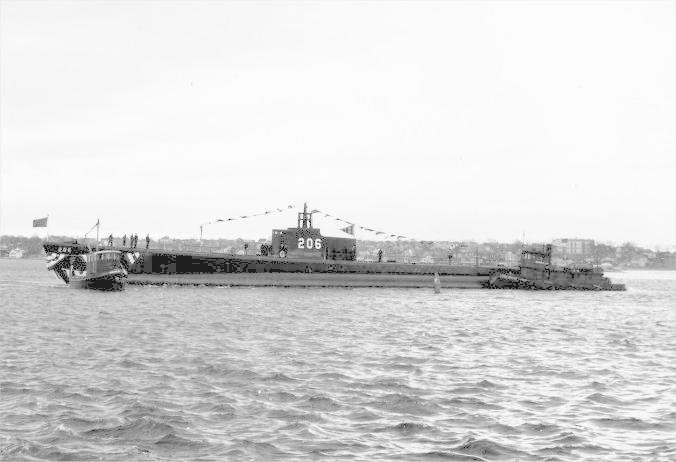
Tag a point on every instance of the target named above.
point(440, 120)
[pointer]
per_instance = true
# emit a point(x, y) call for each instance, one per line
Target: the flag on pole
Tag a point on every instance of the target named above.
point(40, 222)
point(348, 229)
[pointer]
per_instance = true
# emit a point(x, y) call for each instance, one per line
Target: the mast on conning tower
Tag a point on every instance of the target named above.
point(305, 218)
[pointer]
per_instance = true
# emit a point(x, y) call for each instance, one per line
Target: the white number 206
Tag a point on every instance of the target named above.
point(309, 243)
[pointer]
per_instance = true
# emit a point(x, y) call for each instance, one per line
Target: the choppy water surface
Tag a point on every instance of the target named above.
point(214, 373)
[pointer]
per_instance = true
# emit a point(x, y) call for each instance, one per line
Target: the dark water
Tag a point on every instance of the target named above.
point(370, 374)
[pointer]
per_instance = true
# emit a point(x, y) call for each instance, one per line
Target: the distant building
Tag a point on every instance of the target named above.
point(573, 250)
point(638, 261)
point(665, 260)
point(16, 253)
point(510, 258)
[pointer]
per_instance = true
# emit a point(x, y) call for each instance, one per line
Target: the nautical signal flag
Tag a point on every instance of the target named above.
point(348, 229)
point(40, 222)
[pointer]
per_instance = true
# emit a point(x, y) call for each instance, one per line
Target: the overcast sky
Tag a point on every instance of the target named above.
point(440, 120)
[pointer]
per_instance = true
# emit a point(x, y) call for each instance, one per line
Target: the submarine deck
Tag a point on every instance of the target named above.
point(163, 262)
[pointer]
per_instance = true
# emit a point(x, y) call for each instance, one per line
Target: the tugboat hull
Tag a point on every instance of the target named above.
point(537, 272)
point(107, 283)
point(83, 268)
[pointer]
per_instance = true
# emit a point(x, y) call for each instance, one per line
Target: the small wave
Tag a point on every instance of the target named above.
point(405, 404)
point(443, 455)
point(598, 385)
point(80, 424)
point(568, 450)
point(628, 423)
point(257, 449)
point(487, 449)
point(664, 451)
point(210, 407)
point(362, 416)
point(388, 384)
point(321, 403)
point(22, 449)
point(13, 388)
point(278, 377)
point(503, 429)
point(230, 374)
point(19, 448)
point(489, 385)
point(624, 343)
point(130, 364)
point(568, 439)
point(404, 367)
point(472, 403)
point(282, 397)
point(539, 428)
point(466, 391)
point(141, 429)
point(408, 359)
point(137, 410)
point(551, 401)
point(292, 416)
point(173, 442)
point(604, 399)
point(333, 376)
point(407, 428)
point(222, 408)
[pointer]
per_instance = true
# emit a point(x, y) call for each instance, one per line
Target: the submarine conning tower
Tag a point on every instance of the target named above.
point(307, 242)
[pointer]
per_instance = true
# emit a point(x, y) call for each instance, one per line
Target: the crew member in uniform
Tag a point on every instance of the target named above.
point(380, 255)
point(110, 240)
point(147, 240)
point(124, 240)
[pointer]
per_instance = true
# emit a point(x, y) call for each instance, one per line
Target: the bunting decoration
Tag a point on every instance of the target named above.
point(348, 229)
point(351, 227)
point(243, 217)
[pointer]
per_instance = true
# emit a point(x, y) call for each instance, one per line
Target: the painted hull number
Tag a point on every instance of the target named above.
point(309, 243)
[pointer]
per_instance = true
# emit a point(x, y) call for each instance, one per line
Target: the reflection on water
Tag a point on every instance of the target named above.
point(367, 374)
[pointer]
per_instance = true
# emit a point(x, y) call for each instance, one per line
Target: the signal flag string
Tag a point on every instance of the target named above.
point(351, 225)
point(349, 229)
point(244, 217)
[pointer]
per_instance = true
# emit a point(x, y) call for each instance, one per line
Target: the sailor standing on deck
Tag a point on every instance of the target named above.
point(110, 240)
point(135, 240)
point(124, 240)
point(380, 255)
point(147, 240)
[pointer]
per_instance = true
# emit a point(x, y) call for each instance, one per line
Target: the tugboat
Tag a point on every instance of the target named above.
point(537, 272)
point(80, 267)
